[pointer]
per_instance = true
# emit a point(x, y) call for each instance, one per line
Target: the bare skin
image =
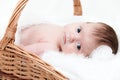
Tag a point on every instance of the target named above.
point(72, 38)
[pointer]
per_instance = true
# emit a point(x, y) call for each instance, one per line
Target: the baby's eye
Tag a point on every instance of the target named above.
point(78, 46)
point(78, 30)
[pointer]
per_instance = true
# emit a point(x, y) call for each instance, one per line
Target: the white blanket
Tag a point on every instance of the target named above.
point(102, 65)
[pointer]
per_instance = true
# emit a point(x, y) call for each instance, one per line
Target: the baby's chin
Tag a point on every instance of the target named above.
point(61, 41)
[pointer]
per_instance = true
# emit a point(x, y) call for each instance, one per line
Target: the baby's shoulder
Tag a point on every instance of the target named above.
point(28, 27)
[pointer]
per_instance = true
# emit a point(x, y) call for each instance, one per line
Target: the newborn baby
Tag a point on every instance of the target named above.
point(79, 38)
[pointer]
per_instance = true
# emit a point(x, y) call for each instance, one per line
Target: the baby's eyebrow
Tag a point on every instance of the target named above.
point(88, 22)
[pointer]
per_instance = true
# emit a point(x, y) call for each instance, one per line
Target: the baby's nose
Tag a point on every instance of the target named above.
point(73, 37)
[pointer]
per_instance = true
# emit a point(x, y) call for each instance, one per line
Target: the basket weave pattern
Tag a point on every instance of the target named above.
point(18, 64)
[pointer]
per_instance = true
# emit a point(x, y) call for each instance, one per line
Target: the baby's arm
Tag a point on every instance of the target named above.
point(34, 48)
point(39, 48)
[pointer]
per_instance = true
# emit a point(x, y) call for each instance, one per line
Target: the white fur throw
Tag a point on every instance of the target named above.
point(101, 65)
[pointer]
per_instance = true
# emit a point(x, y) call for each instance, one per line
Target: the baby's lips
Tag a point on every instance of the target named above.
point(64, 38)
point(67, 37)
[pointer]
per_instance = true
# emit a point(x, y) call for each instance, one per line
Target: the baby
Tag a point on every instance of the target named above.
point(79, 38)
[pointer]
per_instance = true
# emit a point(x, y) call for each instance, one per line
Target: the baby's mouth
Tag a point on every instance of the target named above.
point(66, 38)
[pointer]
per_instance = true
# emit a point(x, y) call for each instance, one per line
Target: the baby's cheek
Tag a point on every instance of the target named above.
point(68, 49)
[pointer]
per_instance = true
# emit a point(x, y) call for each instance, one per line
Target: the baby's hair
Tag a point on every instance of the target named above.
point(106, 35)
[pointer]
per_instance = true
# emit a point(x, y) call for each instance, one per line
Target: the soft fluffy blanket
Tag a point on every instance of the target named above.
point(101, 65)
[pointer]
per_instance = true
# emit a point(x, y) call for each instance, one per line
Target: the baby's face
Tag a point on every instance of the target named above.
point(78, 38)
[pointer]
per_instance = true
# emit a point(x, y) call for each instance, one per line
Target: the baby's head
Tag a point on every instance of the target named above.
point(106, 35)
point(83, 38)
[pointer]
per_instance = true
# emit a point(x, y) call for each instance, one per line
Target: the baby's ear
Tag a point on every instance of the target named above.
point(102, 52)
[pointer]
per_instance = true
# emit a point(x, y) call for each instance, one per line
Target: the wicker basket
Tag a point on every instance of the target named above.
point(18, 64)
